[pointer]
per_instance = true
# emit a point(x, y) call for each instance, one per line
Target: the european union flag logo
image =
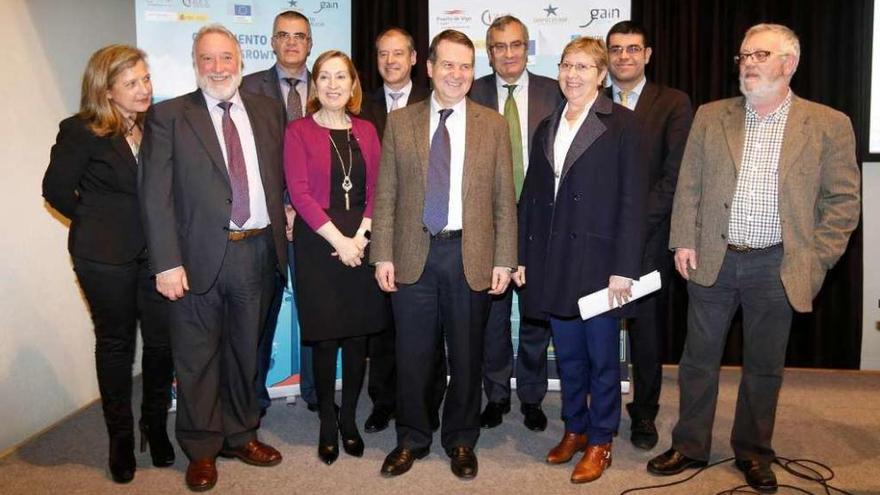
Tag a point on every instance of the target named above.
point(243, 10)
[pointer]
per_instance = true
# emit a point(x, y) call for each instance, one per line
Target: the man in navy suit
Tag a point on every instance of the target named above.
point(665, 115)
point(395, 57)
point(524, 99)
point(287, 82)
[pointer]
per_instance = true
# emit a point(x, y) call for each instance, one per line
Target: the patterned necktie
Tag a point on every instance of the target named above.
point(511, 114)
point(624, 97)
point(241, 203)
point(395, 98)
point(436, 214)
point(294, 102)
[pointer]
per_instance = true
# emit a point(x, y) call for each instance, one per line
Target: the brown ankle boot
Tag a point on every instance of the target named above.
point(570, 444)
point(596, 460)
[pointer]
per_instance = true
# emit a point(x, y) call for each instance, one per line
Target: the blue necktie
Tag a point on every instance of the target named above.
point(436, 214)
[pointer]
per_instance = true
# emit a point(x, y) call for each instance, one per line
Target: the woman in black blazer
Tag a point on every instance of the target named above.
point(581, 226)
point(92, 180)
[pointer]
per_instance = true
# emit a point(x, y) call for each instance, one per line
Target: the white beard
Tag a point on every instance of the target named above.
point(219, 90)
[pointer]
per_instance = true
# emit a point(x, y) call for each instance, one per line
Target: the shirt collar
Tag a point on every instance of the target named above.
point(283, 74)
point(636, 90)
point(780, 111)
point(521, 84)
point(405, 90)
point(457, 109)
point(213, 102)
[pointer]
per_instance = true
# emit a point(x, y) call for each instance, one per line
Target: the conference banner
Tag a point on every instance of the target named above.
point(551, 24)
point(165, 30)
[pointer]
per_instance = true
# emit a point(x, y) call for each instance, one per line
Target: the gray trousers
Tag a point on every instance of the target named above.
point(750, 280)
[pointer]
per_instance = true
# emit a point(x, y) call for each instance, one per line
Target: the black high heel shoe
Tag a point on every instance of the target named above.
point(121, 462)
point(353, 446)
point(328, 442)
point(153, 433)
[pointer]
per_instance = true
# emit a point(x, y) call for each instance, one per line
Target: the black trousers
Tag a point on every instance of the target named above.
point(354, 363)
point(215, 337)
point(750, 280)
point(119, 296)
point(441, 299)
point(531, 361)
point(647, 334)
point(381, 386)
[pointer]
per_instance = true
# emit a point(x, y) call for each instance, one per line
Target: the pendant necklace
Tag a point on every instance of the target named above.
point(346, 175)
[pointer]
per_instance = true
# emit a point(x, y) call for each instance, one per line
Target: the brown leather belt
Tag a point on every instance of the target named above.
point(747, 249)
point(446, 235)
point(240, 235)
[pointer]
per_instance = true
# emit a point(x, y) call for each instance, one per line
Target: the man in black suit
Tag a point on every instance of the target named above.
point(524, 99)
point(665, 115)
point(210, 186)
point(395, 57)
point(292, 44)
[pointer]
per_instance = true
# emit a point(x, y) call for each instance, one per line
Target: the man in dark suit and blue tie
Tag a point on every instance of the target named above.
point(210, 185)
point(524, 99)
point(665, 115)
point(287, 82)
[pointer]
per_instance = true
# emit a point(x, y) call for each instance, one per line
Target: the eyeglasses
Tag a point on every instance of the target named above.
point(579, 68)
point(759, 56)
point(513, 46)
point(285, 36)
point(630, 49)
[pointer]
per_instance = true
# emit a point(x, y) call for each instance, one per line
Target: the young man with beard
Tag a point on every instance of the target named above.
point(767, 198)
point(210, 186)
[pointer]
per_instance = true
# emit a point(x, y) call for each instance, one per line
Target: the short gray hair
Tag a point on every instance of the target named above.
point(215, 29)
point(790, 42)
point(501, 23)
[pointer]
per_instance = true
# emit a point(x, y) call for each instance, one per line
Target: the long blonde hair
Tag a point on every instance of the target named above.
point(102, 70)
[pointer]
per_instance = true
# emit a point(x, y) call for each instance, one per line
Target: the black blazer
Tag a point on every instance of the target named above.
point(375, 110)
point(93, 181)
point(544, 97)
point(665, 115)
point(266, 83)
point(184, 184)
point(573, 241)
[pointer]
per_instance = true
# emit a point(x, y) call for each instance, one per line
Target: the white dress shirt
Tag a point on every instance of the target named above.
point(259, 212)
point(632, 99)
point(565, 135)
point(455, 124)
point(401, 102)
point(521, 97)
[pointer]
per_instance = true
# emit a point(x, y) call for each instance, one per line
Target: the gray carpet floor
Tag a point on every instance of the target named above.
point(829, 416)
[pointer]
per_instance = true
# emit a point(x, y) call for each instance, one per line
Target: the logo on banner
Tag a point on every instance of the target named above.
point(291, 3)
point(328, 6)
point(601, 15)
point(196, 4)
point(454, 19)
point(159, 3)
point(550, 16)
point(488, 16)
point(242, 13)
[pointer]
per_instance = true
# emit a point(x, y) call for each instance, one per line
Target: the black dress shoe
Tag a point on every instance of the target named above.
point(378, 421)
point(643, 433)
point(400, 460)
point(759, 475)
point(121, 459)
point(328, 453)
point(494, 413)
point(353, 446)
point(463, 462)
point(533, 417)
point(672, 462)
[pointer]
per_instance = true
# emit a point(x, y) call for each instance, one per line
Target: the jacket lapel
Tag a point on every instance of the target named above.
point(420, 124)
point(550, 136)
point(123, 150)
point(271, 84)
point(472, 150)
point(646, 100)
point(589, 132)
point(734, 131)
point(196, 113)
point(261, 135)
point(795, 138)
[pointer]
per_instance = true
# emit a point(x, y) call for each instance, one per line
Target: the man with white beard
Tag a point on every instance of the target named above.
point(767, 197)
point(210, 185)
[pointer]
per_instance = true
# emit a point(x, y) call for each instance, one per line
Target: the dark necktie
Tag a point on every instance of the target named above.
point(436, 214)
point(241, 203)
point(511, 114)
point(294, 102)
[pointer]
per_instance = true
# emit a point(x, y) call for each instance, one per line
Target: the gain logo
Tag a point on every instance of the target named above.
point(326, 5)
point(602, 14)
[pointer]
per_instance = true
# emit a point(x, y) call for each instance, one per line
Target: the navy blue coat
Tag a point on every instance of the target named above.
point(594, 227)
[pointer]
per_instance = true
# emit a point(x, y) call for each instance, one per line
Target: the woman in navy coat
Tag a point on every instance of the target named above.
point(581, 228)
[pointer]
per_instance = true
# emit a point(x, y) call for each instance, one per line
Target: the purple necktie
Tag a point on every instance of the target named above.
point(241, 202)
point(436, 214)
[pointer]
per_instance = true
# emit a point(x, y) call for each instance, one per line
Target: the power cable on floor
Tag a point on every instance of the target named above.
point(806, 469)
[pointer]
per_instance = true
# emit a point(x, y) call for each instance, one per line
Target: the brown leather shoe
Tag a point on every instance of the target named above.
point(595, 461)
point(201, 474)
point(255, 453)
point(570, 444)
